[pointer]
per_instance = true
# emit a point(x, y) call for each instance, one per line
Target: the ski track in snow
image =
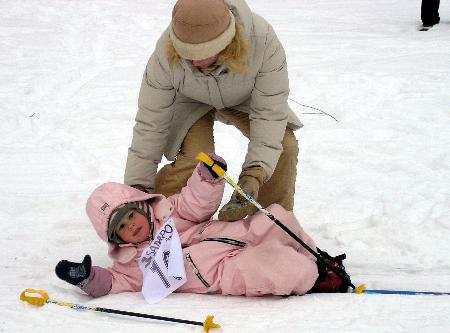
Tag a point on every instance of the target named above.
point(374, 184)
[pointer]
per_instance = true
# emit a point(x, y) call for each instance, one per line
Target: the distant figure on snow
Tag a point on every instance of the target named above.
point(430, 13)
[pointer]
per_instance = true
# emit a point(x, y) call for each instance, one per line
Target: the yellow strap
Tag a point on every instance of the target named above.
point(202, 157)
point(39, 300)
point(209, 323)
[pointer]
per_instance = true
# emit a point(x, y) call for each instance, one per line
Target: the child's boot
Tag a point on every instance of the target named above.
point(328, 281)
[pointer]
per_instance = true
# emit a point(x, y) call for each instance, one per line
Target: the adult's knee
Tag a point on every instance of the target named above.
point(199, 137)
point(290, 143)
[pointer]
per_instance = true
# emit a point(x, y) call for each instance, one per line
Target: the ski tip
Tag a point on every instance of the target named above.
point(360, 289)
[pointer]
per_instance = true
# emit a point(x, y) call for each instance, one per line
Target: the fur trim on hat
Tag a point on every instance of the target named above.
point(234, 56)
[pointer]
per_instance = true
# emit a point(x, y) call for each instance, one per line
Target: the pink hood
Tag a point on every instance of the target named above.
point(108, 197)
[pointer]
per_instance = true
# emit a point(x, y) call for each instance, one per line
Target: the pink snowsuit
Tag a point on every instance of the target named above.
point(249, 257)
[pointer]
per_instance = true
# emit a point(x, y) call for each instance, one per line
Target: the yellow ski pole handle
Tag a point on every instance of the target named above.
point(202, 157)
point(42, 298)
point(39, 300)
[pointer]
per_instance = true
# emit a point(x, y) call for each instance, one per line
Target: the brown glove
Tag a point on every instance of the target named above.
point(250, 180)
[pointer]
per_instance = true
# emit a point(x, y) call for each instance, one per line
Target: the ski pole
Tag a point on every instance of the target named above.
point(41, 298)
point(221, 173)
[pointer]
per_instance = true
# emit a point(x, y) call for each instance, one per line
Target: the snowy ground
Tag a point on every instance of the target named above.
point(375, 184)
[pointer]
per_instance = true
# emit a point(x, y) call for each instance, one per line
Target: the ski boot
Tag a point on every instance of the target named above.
point(328, 281)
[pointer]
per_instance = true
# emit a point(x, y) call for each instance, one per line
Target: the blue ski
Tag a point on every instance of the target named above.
point(361, 289)
point(403, 292)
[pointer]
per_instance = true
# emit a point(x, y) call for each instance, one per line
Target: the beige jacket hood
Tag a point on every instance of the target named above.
point(174, 96)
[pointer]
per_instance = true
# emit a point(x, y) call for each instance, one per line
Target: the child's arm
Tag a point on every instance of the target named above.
point(93, 280)
point(202, 195)
point(97, 281)
point(125, 277)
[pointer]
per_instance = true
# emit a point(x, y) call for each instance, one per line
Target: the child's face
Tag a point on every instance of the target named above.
point(134, 228)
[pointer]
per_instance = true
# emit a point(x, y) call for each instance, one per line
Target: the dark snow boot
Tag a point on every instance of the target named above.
point(429, 13)
point(328, 281)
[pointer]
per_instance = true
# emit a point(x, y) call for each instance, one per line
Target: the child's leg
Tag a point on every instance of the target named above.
point(268, 269)
point(259, 228)
point(289, 220)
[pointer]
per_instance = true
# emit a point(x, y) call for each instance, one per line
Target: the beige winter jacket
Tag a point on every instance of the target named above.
point(174, 96)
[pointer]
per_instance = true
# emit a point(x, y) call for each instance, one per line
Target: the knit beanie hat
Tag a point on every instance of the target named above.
point(200, 29)
point(119, 213)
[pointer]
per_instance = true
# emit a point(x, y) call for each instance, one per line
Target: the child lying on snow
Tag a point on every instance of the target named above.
point(251, 257)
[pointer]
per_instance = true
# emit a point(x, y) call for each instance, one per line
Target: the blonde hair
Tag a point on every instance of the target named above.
point(234, 56)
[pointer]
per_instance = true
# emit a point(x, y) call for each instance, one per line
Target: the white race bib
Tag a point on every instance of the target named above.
point(162, 264)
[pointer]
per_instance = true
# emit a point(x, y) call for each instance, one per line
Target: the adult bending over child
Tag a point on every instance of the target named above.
point(217, 61)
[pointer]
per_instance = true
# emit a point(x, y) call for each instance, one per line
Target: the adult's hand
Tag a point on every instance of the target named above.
point(239, 207)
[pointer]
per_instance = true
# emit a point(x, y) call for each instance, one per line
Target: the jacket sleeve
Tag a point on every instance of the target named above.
point(269, 107)
point(116, 279)
point(99, 282)
point(199, 199)
point(125, 277)
point(153, 119)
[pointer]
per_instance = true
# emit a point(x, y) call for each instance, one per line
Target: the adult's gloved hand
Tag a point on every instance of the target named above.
point(73, 272)
point(250, 180)
point(207, 173)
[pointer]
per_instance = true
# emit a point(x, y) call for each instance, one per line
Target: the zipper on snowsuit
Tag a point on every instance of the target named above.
point(226, 241)
point(195, 270)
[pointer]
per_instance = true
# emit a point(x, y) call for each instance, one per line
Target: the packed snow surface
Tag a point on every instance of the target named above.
point(373, 175)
